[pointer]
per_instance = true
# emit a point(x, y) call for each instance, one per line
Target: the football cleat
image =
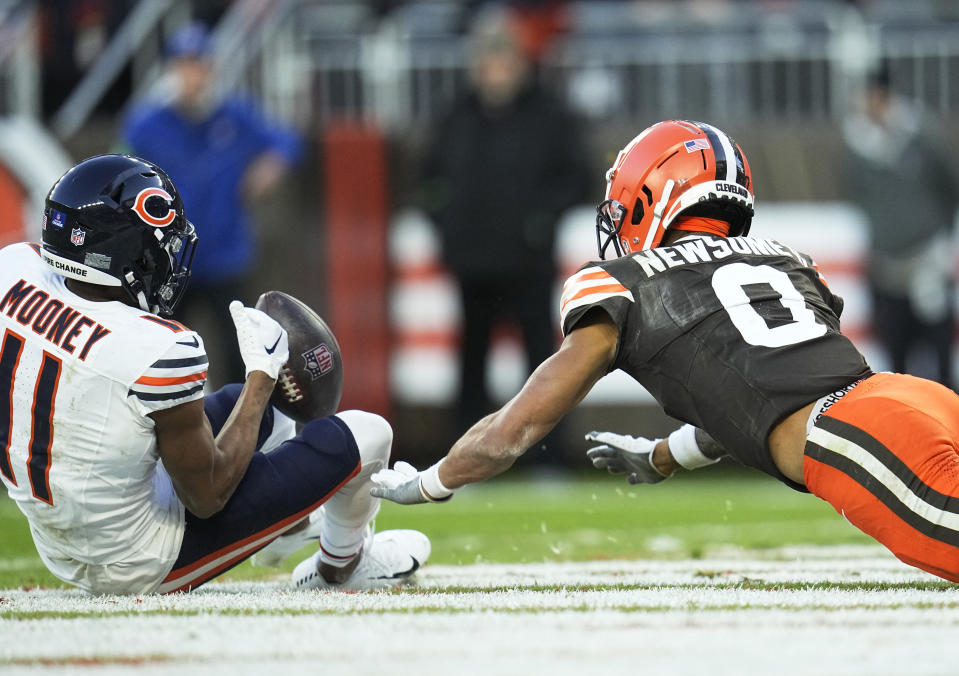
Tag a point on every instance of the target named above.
point(275, 553)
point(388, 560)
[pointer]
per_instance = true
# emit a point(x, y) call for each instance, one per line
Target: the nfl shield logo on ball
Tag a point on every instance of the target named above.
point(77, 236)
point(319, 361)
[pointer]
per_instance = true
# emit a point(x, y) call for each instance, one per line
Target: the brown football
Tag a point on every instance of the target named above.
point(311, 381)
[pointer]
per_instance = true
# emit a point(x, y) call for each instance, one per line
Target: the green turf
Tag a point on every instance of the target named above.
point(588, 517)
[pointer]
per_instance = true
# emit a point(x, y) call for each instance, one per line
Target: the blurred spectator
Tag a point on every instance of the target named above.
point(221, 154)
point(898, 171)
point(73, 34)
point(504, 164)
point(537, 23)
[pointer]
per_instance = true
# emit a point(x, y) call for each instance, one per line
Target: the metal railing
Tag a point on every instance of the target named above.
point(798, 63)
point(19, 59)
point(312, 61)
point(238, 39)
point(125, 44)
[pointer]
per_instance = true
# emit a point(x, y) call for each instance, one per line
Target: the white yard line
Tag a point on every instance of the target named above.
point(680, 617)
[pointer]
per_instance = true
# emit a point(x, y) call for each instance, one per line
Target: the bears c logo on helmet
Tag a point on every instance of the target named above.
point(140, 207)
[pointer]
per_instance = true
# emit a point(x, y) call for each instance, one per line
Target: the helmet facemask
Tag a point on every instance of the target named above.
point(609, 222)
point(180, 247)
point(157, 280)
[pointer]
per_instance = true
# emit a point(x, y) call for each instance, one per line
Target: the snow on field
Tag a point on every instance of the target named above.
point(716, 616)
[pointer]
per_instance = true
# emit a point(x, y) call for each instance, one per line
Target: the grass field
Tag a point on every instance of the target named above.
point(695, 576)
point(592, 517)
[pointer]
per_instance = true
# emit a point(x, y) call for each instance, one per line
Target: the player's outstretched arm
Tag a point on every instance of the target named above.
point(493, 444)
point(205, 471)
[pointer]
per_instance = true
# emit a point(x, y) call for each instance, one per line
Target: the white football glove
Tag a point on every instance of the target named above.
point(263, 342)
point(404, 485)
point(621, 453)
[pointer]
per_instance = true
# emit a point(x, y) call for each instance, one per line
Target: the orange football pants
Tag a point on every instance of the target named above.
point(886, 456)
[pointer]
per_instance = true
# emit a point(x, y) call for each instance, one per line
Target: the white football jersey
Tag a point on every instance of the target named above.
point(78, 451)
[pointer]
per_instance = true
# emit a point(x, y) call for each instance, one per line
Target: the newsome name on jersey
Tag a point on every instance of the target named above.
point(702, 250)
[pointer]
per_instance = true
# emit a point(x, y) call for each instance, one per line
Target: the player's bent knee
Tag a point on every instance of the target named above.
point(373, 435)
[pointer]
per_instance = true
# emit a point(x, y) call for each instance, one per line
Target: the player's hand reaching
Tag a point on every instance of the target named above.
point(262, 341)
point(620, 453)
point(406, 485)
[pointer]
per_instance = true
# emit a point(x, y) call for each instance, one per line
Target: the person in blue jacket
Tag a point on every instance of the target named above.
point(223, 154)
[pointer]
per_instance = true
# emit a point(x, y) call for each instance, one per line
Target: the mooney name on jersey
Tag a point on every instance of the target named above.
point(78, 452)
point(726, 333)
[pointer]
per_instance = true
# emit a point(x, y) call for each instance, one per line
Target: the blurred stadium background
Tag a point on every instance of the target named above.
point(364, 81)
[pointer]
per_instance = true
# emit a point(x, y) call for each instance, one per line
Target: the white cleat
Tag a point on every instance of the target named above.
point(275, 553)
point(388, 560)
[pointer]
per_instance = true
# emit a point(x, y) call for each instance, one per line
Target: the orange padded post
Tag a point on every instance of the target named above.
point(356, 263)
point(12, 200)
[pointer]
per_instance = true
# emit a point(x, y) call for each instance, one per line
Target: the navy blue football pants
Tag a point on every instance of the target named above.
point(279, 489)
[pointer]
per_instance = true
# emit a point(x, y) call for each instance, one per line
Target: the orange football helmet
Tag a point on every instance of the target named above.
point(672, 168)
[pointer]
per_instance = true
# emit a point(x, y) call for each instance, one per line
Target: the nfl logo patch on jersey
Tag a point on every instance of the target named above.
point(77, 235)
point(319, 361)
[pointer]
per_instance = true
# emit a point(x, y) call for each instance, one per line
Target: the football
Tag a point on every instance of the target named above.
point(310, 383)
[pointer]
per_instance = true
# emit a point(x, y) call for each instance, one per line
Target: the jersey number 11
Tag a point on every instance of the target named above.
point(41, 414)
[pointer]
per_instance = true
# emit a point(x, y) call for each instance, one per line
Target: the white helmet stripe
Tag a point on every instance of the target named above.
point(726, 148)
point(658, 210)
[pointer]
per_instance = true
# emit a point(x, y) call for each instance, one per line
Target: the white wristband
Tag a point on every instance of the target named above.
point(431, 486)
point(685, 450)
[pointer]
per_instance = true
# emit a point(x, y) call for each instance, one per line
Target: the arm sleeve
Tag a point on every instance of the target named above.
point(177, 377)
point(593, 287)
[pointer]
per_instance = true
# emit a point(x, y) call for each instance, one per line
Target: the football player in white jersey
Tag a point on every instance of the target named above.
point(132, 481)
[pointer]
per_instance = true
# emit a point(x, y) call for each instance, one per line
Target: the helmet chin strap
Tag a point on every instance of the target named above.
point(658, 211)
point(140, 296)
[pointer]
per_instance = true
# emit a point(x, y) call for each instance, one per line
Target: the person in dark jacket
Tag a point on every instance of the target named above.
point(898, 171)
point(506, 159)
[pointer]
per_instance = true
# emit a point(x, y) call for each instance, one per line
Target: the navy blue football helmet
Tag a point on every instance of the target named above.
point(117, 220)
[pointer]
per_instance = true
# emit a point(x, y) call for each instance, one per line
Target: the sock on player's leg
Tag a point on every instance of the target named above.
point(349, 511)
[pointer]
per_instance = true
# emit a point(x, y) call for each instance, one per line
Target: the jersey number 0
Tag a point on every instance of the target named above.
point(41, 423)
point(730, 282)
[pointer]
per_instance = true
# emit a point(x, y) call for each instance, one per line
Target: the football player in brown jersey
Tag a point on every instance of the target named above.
point(739, 338)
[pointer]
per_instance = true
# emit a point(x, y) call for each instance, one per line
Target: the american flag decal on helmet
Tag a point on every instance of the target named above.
point(696, 144)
